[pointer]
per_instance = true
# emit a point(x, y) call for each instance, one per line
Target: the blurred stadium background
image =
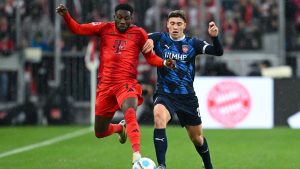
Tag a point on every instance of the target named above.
point(44, 79)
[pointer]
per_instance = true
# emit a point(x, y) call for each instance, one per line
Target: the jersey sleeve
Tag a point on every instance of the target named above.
point(83, 29)
point(202, 47)
point(144, 38)
point(154, 60)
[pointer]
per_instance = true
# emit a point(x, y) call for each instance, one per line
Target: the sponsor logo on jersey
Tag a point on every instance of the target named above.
point(176, 56)
point(119, 45)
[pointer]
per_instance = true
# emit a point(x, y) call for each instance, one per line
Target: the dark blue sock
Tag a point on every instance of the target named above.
point(203, 151)
point(161, 145)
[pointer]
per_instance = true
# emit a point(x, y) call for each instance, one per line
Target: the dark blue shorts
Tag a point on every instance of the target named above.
point(185, 106)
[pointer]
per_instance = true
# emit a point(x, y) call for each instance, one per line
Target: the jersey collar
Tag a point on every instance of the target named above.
point(177, 39)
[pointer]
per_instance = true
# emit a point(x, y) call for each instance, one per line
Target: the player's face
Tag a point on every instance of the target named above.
point(176, 26)
point(123, 20)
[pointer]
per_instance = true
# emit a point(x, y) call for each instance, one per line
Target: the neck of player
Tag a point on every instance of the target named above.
point(177, 39)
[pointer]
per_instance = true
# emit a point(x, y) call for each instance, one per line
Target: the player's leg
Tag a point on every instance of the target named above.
point(189, 117)
point(196, 135)
point(129, 107)
point(129, 96)
point(104, 128)
point(105, 108)
point(161, 119)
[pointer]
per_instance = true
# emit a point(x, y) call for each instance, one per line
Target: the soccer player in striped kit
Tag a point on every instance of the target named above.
point(121, 43)
point(175, 91)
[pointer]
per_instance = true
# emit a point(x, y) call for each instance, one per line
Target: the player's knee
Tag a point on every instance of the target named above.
point(160, 121)
point(159, 124)
point(197, 140)
point(100, 134)
point(129, 103)
point(161, 116)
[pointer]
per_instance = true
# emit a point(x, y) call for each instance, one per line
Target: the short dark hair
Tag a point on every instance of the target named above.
point(177, 13)
point(125, 7)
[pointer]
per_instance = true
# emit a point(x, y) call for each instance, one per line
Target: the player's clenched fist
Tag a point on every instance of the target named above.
point(61, 10)
point(170, 63)
point(213, 29)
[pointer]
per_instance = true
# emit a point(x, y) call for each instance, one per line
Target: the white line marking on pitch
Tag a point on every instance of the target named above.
point(46, 143)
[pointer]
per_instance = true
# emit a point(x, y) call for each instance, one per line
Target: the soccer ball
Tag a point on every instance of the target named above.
point(144, 163)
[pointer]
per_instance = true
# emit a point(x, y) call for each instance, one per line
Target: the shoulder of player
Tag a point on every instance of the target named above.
point(136, 29)
point(195, 40)
point(103, 25)
point(156, 34)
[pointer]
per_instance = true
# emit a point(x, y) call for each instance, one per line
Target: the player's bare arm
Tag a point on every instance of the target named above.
point(148, 46)
point(61, 10)
point(213, 29)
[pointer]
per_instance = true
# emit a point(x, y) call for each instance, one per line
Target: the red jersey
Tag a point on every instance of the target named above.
point(119, 52)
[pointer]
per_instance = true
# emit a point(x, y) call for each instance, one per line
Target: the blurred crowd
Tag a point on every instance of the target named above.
point(242, 22)
point(245, 22)
point(292, 12)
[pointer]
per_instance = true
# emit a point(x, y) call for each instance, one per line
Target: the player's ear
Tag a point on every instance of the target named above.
point(131, 19)
point(184, 25)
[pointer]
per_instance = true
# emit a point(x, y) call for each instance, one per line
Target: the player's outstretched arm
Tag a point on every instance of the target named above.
point(213, 30)
point(61, 10)
point(155, 60)
point(80, 29)
point(215, 49)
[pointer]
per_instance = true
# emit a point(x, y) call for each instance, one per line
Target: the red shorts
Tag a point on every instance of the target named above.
point(109, 97)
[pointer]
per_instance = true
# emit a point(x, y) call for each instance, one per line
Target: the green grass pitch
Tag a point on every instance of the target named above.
point(277, 148)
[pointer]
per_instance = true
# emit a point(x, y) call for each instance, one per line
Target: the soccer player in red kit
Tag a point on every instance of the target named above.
point(121, 43)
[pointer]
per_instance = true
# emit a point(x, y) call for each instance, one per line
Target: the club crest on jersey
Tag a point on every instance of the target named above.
point(185, 48)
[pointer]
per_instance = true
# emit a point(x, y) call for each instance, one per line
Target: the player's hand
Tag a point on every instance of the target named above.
point(213, 29)
point(61, 10)
point(170, 63)
point(148, 46)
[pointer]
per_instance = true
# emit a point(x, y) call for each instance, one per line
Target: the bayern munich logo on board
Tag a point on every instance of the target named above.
point(228, 103)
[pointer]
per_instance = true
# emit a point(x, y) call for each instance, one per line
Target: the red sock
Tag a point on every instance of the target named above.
point(112, 128)
point(132, 129)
